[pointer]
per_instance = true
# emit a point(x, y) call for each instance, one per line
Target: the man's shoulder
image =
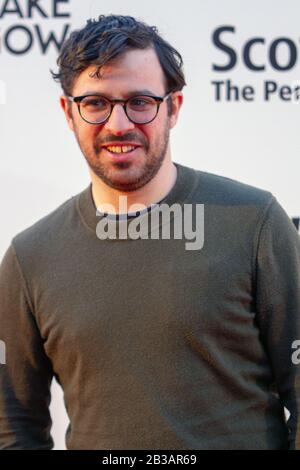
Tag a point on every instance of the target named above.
point(49, 227)
point(217, 189)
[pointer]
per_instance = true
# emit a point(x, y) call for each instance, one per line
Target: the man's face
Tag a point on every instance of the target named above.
point(139, 72)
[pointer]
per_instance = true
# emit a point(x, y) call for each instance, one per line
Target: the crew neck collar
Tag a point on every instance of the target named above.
point(184, 185)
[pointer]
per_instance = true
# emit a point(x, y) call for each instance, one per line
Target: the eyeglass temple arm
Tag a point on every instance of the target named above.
point(167, 96)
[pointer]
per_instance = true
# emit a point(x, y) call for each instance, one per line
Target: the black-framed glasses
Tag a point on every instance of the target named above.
point(140, 109)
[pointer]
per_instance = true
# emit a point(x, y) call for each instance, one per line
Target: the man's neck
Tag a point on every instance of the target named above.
point(153, 192)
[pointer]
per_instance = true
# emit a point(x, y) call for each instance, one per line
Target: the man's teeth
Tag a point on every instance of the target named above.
point(121, 149)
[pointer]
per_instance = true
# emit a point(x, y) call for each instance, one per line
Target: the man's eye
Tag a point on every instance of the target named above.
point(140, 102)
point(95, 102)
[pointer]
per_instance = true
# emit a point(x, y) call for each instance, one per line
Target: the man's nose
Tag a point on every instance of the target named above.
point(118, 122)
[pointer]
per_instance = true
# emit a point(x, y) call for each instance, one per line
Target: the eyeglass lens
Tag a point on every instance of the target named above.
point(139, 109)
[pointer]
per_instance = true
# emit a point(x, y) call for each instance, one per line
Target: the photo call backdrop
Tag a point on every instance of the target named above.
point(240, 118)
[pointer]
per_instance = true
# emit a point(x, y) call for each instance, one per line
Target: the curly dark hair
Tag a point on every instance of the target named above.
point(107, 37)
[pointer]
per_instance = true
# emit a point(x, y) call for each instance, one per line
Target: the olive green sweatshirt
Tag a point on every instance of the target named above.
point(156, 346)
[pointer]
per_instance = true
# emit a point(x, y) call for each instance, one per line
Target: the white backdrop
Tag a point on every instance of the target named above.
point(255, 141)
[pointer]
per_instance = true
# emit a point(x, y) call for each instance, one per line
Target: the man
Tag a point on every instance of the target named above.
point(156, 346)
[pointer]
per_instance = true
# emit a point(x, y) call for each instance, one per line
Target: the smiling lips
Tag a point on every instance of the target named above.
point(121, 148)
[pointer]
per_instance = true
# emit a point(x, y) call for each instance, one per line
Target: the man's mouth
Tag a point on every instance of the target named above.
point(120, 148)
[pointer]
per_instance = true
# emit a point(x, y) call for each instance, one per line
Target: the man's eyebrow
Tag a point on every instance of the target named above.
point(144, 91)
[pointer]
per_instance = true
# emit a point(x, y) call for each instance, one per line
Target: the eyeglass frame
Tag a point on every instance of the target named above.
point(159, 100)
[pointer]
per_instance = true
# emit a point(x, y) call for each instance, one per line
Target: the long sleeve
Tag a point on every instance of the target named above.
point(26, 374)
point(278, 307)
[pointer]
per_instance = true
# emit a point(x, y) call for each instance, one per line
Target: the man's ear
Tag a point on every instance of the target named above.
point(177, 100)
point(67, 108)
